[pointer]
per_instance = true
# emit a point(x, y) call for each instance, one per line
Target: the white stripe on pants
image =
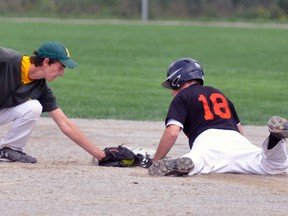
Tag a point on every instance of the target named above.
point(23, 118)
point(226, 151)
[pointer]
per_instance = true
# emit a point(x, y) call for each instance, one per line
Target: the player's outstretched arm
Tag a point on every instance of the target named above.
point(71, 130)
point(167, 141)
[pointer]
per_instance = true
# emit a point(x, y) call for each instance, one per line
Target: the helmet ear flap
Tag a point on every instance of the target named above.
point(175, 82)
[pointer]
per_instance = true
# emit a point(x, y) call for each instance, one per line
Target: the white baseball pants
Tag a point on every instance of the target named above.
point(227, 151)
point(23, 119)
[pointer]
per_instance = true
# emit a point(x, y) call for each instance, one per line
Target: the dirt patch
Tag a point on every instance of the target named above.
point(65, 182)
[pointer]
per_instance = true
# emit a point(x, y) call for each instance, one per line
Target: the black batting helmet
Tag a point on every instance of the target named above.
point(181, 71)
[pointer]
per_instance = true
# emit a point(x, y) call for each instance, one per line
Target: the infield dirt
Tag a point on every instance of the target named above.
point(65, 182)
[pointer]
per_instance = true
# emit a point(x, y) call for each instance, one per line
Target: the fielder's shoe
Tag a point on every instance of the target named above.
point(10, 155)
point(278, 127)
point(179, 166)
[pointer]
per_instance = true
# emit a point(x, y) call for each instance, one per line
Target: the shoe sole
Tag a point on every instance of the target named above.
point(179, 166)
point(5, 160)
point(278, 126)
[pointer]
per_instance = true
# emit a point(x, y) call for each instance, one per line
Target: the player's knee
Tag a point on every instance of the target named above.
point(33, 109)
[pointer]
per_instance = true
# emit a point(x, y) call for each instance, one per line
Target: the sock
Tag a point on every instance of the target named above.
point(273, 141)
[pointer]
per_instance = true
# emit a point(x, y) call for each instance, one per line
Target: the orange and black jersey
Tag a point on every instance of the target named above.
point(15, 85)
point(199, 108)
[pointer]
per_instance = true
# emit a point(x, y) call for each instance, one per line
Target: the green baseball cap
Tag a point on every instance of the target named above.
point(55, 50)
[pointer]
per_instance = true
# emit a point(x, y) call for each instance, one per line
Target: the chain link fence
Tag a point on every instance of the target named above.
point(271, 10)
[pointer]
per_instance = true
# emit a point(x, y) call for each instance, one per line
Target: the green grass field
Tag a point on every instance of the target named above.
point(122, 66)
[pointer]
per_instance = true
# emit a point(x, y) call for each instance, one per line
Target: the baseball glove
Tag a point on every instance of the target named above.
point(118, 157)
point(123, 157)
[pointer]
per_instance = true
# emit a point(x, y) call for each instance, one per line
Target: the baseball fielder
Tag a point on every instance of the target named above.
point(24, 95)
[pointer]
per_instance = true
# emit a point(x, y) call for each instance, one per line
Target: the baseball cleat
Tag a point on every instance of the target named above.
point(10, 155)
point(278, 127)
point(178, 167)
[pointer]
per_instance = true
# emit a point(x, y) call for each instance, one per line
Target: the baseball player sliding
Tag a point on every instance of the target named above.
point(209, 120)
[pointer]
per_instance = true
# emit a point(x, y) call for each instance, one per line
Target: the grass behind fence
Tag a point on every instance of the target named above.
point(122, 66)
